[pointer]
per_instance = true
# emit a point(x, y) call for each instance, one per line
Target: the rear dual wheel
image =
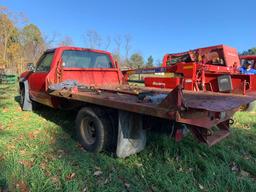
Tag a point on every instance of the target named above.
point(94, 129)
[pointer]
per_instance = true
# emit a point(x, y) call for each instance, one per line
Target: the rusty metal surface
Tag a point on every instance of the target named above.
point(125, 98)
point(196, 110)
point(211, 136)
point(121, 101)
point(201, 118)
point(215, 101)
point(209, 101)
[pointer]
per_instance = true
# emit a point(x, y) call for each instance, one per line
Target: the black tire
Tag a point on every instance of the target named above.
point(94, 129)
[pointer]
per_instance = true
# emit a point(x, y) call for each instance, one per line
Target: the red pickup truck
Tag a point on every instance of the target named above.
point(112, 114)
point(65, 63)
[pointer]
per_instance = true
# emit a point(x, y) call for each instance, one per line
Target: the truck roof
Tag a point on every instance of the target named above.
point(247, 56)
point(228, 55)
point(205, 48)
point(77, 48)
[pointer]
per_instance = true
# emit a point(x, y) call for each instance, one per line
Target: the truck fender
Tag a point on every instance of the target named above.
point(26, 105)
point(131, 135)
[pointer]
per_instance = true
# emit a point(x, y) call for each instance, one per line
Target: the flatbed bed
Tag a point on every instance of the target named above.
point(200, 111)
point(126, 98)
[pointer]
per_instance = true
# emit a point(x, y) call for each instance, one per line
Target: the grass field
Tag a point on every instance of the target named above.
point(38, 152)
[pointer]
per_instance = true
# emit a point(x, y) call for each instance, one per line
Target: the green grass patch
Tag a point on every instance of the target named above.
point(39, 152)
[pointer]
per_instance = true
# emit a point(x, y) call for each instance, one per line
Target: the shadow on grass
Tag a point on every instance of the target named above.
point(62, 118)
point(93, 171)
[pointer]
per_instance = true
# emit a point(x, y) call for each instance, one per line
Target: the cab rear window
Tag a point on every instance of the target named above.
point(85, 59)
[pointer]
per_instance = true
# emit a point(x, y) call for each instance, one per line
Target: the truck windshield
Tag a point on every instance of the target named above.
point(85, 59)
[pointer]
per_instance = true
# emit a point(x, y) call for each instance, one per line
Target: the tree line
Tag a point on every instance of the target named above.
point(121, 47)
point(22, 45)
point(18, 45)
point(251, 51)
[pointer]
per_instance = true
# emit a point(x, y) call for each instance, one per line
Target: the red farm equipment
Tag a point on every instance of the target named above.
point(212, 69)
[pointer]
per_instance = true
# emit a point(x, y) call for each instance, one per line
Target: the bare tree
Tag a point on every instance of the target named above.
point(107, 43)
point(93, 39)
point(51, 40)
point(117, 49)
point(66, 41)
point(127, 47)
point(118, 43)
point(158, 63)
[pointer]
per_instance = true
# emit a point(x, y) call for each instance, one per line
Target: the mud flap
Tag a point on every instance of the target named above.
point(131, 135)
point(27, 105)
point(251, 107)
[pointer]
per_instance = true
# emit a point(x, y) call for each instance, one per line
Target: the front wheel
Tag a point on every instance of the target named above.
point(94, 129)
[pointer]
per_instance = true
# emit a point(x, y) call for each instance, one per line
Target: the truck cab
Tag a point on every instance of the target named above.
point(86, 66)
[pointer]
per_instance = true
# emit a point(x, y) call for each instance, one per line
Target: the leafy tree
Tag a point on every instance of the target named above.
point(150, 62)
point(10, 49)
point(136, 61)
point(32, 42)
point(18, 46)
point(251, 51)
point(14, 52)
point(7, 28)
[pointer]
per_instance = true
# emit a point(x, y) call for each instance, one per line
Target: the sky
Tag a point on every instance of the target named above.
point(156, 27)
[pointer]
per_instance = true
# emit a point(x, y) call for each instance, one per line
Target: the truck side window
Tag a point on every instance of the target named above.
point(45, 63)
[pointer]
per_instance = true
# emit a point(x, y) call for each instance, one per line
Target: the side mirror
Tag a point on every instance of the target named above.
point(31, 67)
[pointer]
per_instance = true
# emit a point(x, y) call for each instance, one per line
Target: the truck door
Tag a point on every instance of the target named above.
point(38, 78)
